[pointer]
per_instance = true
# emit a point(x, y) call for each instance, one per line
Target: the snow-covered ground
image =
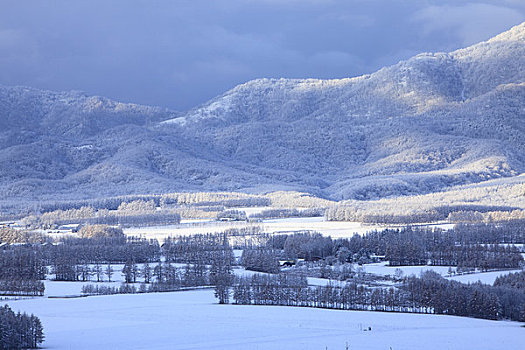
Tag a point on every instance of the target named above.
point(336, 229)
point(484, 277)
point(193, 320)
point(64, 289)
point(185, 228)
point(382, 268)
point(313, 281)
point(188, 227)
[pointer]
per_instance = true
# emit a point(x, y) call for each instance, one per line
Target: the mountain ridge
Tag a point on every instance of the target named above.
point(422, 125)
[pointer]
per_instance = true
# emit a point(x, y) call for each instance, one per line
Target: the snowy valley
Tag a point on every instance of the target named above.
point(385, 211)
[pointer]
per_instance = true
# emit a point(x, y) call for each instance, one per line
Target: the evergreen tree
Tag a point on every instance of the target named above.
point(109, 271)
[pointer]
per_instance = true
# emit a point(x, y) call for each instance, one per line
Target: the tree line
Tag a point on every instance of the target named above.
point(21, 271)
point(429, 293)
point(280, 213)
point(136, 213)
point(165, 277)
point(390, 213)
point(71, 260)
point(194, 249)
point(485, 246)
point(261, 259)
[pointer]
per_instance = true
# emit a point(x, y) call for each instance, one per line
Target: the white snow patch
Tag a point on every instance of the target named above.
point(483, 277)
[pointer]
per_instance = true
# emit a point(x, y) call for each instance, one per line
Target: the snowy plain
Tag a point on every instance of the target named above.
point(335, 229)
point(194, 320)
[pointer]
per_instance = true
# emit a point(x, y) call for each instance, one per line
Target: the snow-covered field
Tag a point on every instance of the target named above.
point(63, 289)
point(483, 277)
point(193, 320)
point(382, 268)
point(336, 229)
point(188, 227)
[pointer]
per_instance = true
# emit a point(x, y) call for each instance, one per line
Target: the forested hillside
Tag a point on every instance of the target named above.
point(420, 126)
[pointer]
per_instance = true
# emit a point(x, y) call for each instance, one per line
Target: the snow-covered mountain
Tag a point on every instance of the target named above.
point(424, 124)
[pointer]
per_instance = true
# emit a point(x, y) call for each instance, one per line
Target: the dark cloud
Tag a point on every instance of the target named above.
point(180, 53)
point(470, 22)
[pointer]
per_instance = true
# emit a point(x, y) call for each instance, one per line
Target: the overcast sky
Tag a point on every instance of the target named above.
point(178, 54)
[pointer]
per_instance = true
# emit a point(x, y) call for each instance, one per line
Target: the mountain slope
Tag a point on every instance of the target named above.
point(422, 125)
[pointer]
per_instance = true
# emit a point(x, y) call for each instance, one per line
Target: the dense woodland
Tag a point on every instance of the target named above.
point(261, 259)
point(483, 246)
point(512, 280)
point(19, 331)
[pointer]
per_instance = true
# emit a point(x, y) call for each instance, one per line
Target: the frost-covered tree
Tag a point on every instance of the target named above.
point(109, 271)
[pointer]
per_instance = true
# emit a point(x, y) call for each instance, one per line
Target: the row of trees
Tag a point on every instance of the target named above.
point(306, 245)
point(19, 331)
point(392, 216)
point(472, 300)
point(21, 269)
point(228, 199)
point(277, 213)
point(412, 213)
point(11, 235)
point(491, 216)
point(484, 257)
point(65, 270)
point(159, 278)
point(136, 213)
point(428, 294)
point(101, 250)
point(195, 249)
point(437, 239)
point(261, 259)
point(22, 287)
point(166, 277)
point(21, 262)
point(247, 237)
point(293, 290)
point(32, 211)
point(510, 232)
point(232, 215)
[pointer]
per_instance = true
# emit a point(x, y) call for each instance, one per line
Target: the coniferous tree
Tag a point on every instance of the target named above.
point(146, 272)
point(127, 272)
point(109, 271)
